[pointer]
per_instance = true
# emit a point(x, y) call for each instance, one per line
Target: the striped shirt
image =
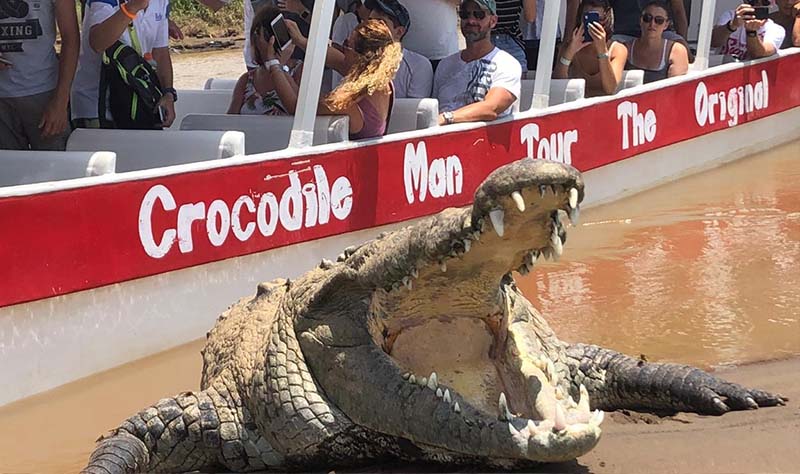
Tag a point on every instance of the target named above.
point(508, 12)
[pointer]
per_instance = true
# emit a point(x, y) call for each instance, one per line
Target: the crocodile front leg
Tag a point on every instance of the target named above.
point(617, 381)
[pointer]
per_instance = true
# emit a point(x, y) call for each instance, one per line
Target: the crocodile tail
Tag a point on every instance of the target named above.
point(188, 432)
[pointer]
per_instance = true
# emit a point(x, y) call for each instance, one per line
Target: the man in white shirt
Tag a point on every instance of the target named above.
point(414, 77)
point(740, 35)
point(482, 82)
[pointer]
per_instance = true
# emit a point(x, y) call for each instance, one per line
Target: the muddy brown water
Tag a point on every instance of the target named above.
point(705, 270)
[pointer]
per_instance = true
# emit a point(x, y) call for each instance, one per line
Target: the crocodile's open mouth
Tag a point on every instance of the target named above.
point(455, 327)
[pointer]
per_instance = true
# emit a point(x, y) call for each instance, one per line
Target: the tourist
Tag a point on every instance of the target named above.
point(140, 24)
point(34, 82)
point(600, 61)
point(788, 17)
point(434, 33)
point(368, 61)
point(626, 20)
point(414, 78)
point(482, 82)
point(532, 33)
point(254, 92)
point(739, 34)
point(658, 57)
point(507, 35)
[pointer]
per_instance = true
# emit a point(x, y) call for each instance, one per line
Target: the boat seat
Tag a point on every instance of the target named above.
point(631, 78)
point(413, 114)
point(269, 132)
point(145, 149)
point(33, 166)
point(194, 101)
point(561, 91)
point(215, 83)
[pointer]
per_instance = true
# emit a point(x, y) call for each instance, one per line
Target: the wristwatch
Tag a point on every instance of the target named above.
point(448, 117)
point(171, 90)
point(752, 34)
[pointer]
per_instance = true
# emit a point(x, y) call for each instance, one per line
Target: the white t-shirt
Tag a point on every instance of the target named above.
point(434, 28)
point(28, 40)
point(151, 29)
point(458, 83)
point(414, 77)
point(736, 44)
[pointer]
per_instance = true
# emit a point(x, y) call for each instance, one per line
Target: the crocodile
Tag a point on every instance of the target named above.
point(416, 346)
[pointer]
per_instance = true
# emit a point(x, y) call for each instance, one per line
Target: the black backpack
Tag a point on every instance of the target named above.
point(132, 88)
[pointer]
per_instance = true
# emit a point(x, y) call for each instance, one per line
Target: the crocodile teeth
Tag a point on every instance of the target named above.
point(439, 393)
point(456, 407)
point(532, 426)
point(446, 396)
point(560, 419)
point(422, 382)
point(551, 372)
point(406, 376)
point(558, 246)
point(502, 405)
point(467, 245)
point(542, 190)
point(547, 253)
point(573, 198)
point(583, 401)
point(497, 217)
point(443, 266)
point(523, 270)
point(531, 259)
point(407, 282)
point(412, 378)
point(597, 418)
point(574, 215)
point(433, 381)
point(517, 197)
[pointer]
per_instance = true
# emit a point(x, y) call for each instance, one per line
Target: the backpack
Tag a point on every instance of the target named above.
point(131, 85)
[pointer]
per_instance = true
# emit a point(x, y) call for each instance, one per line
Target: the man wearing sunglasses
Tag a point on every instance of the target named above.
point(414, 77)
point(739, 34)
point(481, 82)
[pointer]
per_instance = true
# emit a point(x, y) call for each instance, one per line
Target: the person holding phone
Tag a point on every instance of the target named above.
point(788, 16)
point(590, 54)
point(657, 56)
point(34, 82)
point(741, 35)
point(368, 61)
point(255, 93)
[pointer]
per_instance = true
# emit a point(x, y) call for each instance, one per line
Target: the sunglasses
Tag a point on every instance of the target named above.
point(648, 18)
point(477, 14)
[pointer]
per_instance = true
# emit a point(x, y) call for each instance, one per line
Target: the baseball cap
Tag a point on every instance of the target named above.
point(490, 5)
point(393, 8)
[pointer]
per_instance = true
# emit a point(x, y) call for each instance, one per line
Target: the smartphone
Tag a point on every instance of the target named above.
point(281, 33)
point(589, 17)
point(762, 13)
point(6, 61)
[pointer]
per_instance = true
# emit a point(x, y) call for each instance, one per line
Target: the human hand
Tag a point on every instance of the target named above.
point(294, 31)
point(743, 12)
point(167, 105)
point(754, 25)
point(576, 42)
point(796, 10)
point(269, 48)
point(598, 34)
point(54, 118)
point(174, 30)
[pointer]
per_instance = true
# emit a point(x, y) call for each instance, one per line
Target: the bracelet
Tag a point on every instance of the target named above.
point(127, 12)
point(602, 56)
point(728, 26)
point(272, 62)
point(565, 61)
point(752, 34)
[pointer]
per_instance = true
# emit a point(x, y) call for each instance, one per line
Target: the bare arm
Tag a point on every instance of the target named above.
point(334, 58)
point(720, 34)
point(496, 102)
point(572, 12)
point(679, 60)
point(164, 72)
point(680, 20)
point(611, 69)
point(104, 34)
point(796, 27)
point(237, 97)
point(529, 10)
point(54, 118)
point(567, 52)
point(756, 48)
